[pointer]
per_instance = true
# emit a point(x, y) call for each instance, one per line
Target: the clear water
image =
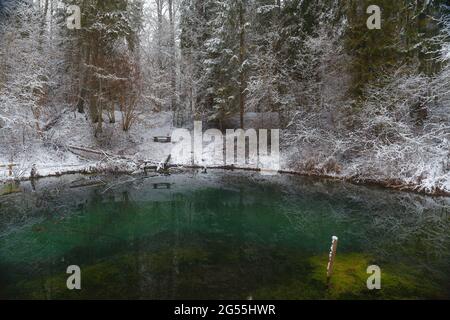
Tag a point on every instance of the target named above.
point(221, 235)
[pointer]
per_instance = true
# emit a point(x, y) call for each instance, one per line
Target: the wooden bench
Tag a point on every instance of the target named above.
point(162, 139)
point(10, 167)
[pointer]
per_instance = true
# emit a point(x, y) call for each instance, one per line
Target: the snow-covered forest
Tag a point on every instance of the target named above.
point(351, 102)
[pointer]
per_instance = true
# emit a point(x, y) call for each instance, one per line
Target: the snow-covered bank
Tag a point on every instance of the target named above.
point(132, 168)
point(71, 147)
point(65, 148)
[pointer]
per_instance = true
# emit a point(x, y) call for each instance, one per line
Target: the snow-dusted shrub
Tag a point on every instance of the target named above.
point(399, 135)
point(404, 132)
point(402, 136)
point(30, 76)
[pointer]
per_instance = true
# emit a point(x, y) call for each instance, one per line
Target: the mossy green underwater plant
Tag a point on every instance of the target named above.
point(349, 279)
point(151, 275)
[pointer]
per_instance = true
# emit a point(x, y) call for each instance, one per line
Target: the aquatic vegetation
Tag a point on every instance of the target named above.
point(349, 279)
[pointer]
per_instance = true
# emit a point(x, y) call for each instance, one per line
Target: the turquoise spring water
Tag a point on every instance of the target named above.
point(221, 235)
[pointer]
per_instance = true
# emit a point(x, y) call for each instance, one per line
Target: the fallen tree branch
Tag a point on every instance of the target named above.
point(100, 152)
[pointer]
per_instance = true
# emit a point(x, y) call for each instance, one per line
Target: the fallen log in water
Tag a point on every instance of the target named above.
point(164, 166)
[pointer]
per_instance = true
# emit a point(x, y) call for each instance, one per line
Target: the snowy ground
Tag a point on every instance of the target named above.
point(54, 156)
point(63, 151)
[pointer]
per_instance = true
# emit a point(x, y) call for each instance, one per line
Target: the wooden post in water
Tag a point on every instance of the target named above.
point(332, 255)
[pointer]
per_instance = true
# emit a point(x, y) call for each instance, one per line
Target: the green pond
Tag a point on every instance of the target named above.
point(219, 235)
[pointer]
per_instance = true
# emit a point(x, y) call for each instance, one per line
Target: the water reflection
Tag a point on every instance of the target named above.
point(220, 235)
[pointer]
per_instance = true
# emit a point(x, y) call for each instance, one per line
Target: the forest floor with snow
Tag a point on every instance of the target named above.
point(71, 147)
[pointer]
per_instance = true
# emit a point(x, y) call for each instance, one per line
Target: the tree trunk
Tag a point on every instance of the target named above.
point(43, 21)
point(81, 100)
point(242, 53)
point(100, 111)
point(172, 57)
point(159, 4)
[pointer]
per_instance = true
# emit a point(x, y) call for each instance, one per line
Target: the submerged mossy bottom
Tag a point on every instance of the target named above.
point(224, 241)
point(188, 274)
